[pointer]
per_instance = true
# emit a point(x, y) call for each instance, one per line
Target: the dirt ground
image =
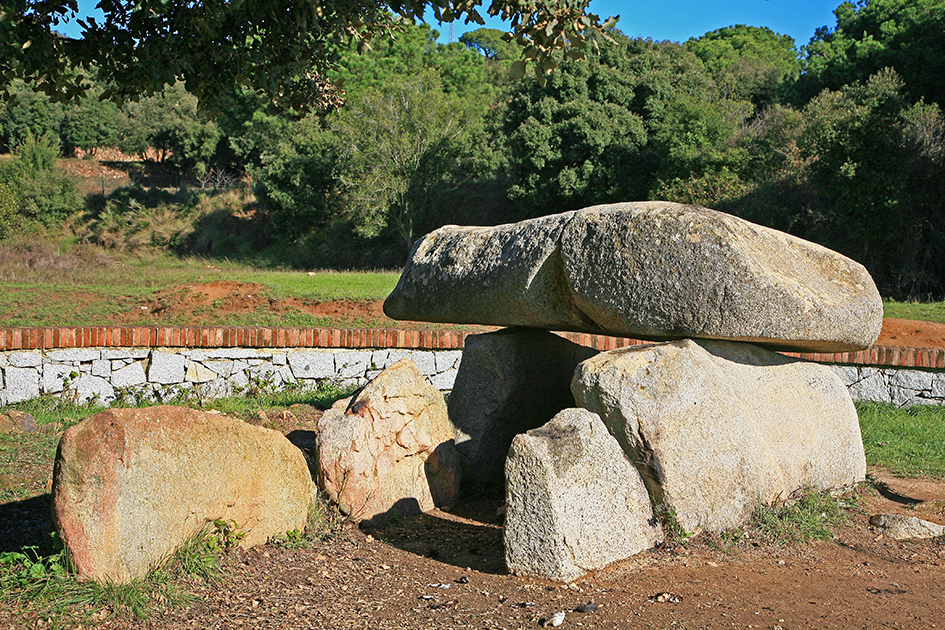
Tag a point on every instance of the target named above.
point(225, 297)
point(912, 333)
point(446, 570)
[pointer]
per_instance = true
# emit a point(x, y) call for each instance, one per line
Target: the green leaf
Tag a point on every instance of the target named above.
point(517, 69)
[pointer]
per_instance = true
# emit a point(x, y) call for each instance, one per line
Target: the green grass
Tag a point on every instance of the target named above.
point(810, 516)
point(323, 520)
point(26, 458)
point(44, 587)
point(247, 406)
point(909, 442)
point(928, 312)
point(48, 284)
point(807, 516)
point(326, 285)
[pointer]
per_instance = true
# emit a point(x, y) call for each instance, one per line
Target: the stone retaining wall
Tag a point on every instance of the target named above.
point(111, 362)
point(162, 373)
point(902, 387)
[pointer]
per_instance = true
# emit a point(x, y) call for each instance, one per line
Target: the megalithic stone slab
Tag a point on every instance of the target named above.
point(651, 270)
point(132, 485)
point(718, 428)
point(574, 501)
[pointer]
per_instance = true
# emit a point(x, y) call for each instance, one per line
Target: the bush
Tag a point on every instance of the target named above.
point(9, 202)
point(33, 192)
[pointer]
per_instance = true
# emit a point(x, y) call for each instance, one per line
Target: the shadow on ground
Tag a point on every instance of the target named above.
point(27, 523)
point(467, 536)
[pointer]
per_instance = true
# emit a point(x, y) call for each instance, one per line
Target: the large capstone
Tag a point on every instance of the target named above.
point(574, 501)
point(131, 485)
point(718, 428)
point(651, 270)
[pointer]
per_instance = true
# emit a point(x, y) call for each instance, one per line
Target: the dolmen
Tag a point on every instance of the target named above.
point(701, 427)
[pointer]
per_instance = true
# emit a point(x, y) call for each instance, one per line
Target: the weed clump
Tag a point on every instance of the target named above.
point(323, 521)
point(806, 516)
point(45, 587)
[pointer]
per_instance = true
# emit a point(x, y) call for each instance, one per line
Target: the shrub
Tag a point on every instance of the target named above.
point(33, 192)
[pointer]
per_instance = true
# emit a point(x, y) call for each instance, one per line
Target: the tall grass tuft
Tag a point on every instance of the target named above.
point(809, 516)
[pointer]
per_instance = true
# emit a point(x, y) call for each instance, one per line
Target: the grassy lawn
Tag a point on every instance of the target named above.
point(326, 285)
point(910, 442)
point(928, 312)
point(85, 286)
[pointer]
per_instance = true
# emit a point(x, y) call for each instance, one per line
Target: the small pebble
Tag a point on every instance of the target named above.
point(556, 620)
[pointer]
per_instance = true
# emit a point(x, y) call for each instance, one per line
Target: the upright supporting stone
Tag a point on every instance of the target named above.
point(574, 502)
point(390, 450)
point(719, 427)
point(508, 382)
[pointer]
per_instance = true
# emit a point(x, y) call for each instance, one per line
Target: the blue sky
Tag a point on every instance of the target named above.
point(675, 20)
point(678, 20)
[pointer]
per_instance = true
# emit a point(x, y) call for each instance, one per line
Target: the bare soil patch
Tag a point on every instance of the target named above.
point(912, 334)
point(211, 302)
point(446, 570)
point(214, 301)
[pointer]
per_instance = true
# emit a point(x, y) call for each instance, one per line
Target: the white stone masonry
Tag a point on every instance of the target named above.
point(108, 374)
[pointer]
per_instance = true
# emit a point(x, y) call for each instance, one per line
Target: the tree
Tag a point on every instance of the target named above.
point(905, 35)
point(27, 113)
point(295, 172)
point(298, 163)
point(89, 124)
point(491, 44)
point(879, 163)
point(748, 62)
point(395, 145)
point(170, 123)
point(413, 51)
point(589, 135)
point(283, 48)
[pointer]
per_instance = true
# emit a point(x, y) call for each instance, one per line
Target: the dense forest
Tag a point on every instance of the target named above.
point(841, 142)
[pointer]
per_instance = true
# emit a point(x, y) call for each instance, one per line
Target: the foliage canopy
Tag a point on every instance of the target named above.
point(906, 35)
point(282, 48)
point(747, 61)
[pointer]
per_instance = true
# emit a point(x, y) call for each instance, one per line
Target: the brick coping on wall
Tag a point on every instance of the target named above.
point(50, 338)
